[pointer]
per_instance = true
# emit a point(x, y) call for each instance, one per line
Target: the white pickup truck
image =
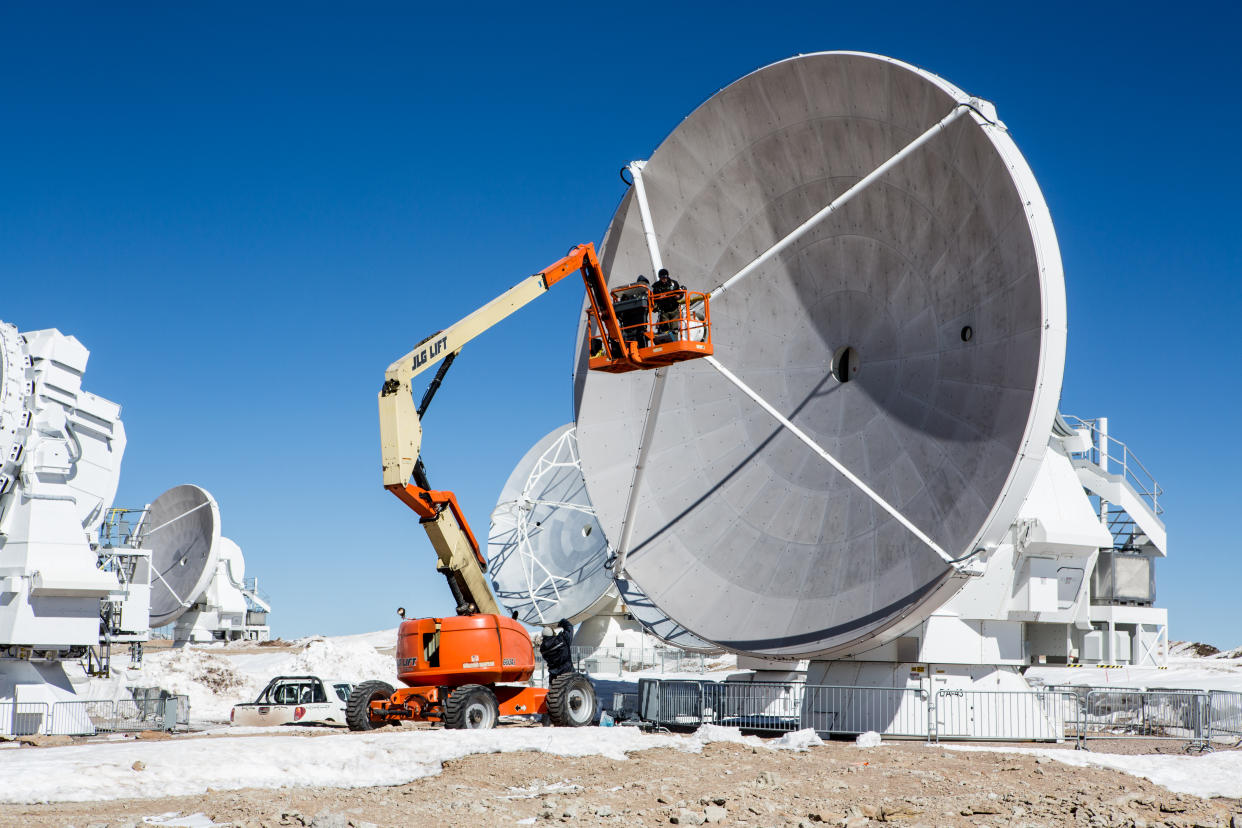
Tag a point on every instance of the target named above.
point(296, 700)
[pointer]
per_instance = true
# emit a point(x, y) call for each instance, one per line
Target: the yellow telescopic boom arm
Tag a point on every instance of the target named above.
point(400, 431)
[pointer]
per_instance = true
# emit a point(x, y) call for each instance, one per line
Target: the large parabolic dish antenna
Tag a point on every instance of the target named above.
point(888, 293)
point(547, 556)
point(182, 530)
point(655, 623)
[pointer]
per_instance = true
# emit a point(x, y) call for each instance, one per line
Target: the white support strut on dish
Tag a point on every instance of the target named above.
point(841, 200)
point(657, 386)
point(834, 462)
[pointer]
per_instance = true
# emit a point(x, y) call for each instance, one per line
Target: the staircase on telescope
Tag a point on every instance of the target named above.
point(1112, 475)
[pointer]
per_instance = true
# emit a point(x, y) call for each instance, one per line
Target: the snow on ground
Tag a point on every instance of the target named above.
point(1206, 775)
point(190, 766)
point(1186, 670)
point(380, 640)
point(216, 677)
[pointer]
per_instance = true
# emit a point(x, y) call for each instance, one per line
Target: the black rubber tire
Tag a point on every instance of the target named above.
point(471, 707)
point(358, 708)
point(571, 700)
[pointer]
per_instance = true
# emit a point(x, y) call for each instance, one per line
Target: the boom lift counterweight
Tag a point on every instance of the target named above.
point(460, 670)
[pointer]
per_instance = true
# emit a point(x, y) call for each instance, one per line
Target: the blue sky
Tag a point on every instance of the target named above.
point(246, 211)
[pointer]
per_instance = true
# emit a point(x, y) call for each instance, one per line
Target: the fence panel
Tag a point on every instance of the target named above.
point(86, 718)
point(130, 715)
point(999, 715)
point(889, 711)
point(82, 718)
point(780, 707)
point(24, 718)
point(182, 719)
point(1181, 715)
point(1225, 715)
point(976, 715)
point(773, 707)
point(671, 703)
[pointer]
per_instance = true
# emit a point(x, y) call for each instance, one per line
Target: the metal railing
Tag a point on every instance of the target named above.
point(779, 707)
point(889, 711)
point(1119, 459)
point(1054, 714)
point(23, 718)
point(89, 717)
point(992, 715)
point(1225, 715)
point(1177, 715)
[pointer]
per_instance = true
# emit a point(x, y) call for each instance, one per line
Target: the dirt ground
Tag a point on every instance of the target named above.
point(909, 784)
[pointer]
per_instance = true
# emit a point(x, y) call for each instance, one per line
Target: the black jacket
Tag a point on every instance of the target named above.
point(556, 650)
point(667, 304)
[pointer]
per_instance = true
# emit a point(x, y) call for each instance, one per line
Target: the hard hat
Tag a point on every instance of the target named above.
point(663, 274)
point(643, 280)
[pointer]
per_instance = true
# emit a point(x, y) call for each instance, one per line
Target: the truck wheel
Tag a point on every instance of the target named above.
point(358, 708)
point(571, 700)
point(471, 707)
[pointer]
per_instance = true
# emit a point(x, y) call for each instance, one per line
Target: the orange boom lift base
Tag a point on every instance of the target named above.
point(466, 671)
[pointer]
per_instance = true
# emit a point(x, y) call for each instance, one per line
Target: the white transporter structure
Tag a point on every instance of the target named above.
point(60, 458)
point(870, 473)
point(198, 581)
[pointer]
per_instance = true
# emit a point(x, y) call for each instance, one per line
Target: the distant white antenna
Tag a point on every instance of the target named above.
point(198, 577)
point(547, 554)
point(182, 530)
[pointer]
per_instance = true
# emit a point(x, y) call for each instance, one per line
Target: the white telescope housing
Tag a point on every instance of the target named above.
point(60, 460)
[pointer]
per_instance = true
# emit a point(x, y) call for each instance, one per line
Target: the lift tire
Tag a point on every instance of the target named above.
point(358, 708)
point(571, 700)
point(471, 707)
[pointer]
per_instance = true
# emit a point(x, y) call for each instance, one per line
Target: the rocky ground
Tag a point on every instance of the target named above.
point(837, 783)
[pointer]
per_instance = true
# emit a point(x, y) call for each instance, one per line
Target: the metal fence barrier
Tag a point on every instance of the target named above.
point(152, 704)
point(23, 718)
point(990, 715)
point(1179, 715)
point(153, 711)
point(889, 711)
point(1225, 715)
point(780, 707)
point(86, 718)
point(1049, 715)
point(81, 718)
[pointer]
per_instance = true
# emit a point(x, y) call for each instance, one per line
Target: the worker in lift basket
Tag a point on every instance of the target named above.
point(555, 649)
point(668, 308)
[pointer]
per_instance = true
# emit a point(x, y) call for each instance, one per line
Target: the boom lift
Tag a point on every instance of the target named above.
point(465, 671)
